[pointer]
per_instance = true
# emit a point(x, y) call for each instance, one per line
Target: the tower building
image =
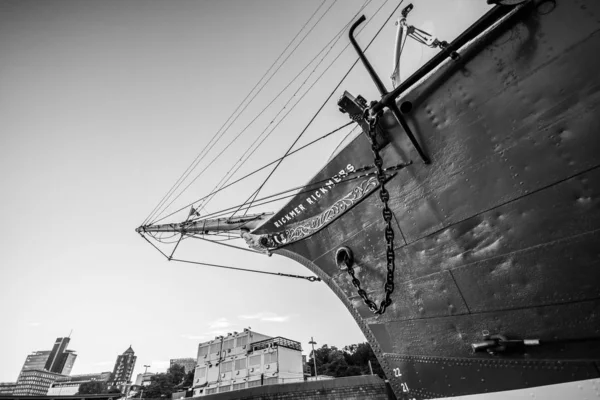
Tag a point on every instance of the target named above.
point(59, 360)
point(123, 369)
point(36, 360)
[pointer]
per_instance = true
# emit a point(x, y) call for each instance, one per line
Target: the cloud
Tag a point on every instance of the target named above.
point(34, 324)
point(219, 323)
point(266, 316)
point(193, 337)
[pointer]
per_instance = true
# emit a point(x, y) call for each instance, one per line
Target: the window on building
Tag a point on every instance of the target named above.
point(254, 360)
point(224, 389)
point(270, 381)
point(270, 357)
point(202, 351)
point(253, 383)
point(215, 348)
point(226, 366)
point(201, 372)
point(240, 364)
point(238, 386)
point(228, 344)
point(242, 340)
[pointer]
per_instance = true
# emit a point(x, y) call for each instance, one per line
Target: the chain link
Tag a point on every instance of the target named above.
point(384, 195)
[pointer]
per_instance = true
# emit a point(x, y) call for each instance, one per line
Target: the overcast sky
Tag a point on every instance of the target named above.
point(103, 105)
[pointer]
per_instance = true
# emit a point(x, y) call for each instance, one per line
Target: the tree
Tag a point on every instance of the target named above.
point(93, 387)
point(177, 373)
point(352, 360)
point(360, 355)
point(161, 385)
point(188, 381)
point(164, 385)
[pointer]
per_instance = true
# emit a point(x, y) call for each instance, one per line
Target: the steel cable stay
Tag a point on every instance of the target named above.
point(278, 160)
point(308, 189)
point(191, 166)
point(254, 172)
point(269, 199)
point(210, 146)
point(255, 194)
point(250, 151)
point(269, 126)
point(308, 278)
point(285, 193)
point(184, 235)
point(335, 39)
point(310, 122)
point(229, 238)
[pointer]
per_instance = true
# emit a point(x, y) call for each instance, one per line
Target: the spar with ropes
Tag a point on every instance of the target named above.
point(231, 223)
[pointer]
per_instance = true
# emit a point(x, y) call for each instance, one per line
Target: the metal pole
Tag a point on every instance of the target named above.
point(143, 377)
point(370, 367)
point(312, 341)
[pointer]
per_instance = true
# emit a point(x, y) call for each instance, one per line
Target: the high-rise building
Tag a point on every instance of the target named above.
point(58, 360)
point(36, 360)
point(123, 369)
point(60, 357)
point(34, 382)
point(69, 360)
point(188, 364)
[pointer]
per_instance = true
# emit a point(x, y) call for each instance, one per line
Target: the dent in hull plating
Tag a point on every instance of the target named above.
point(500, 232)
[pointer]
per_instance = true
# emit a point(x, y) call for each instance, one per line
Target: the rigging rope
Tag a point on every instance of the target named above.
point(220, 213)
point(255, 194)
point(335, 39)
point(200, 156)
point(247, 104)
point(308, 188)
point(289, 153)
point(308, 278)
point(254, 172)
point(247, 156)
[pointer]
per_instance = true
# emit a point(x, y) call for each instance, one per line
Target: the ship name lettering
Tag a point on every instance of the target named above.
point(314, 197)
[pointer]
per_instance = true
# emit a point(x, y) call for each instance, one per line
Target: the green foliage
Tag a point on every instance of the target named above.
point(352, 360)
point(177, 373)
point(164, 385)
point(161, 385)
point(93, 387)
point(188, 381)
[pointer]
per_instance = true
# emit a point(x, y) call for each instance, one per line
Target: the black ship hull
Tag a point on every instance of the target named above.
point(498, 235)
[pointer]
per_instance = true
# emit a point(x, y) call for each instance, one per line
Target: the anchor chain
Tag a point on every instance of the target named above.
point(347, 259)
